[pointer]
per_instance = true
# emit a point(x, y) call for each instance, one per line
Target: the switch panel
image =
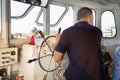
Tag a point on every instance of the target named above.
point(8, 56)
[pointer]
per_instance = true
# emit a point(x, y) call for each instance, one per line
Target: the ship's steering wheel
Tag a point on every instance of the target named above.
point(46, 51)
point(45, 55)
point(46, 60)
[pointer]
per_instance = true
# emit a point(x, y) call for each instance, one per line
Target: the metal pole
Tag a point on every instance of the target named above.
point(46, 20)
point(6, 21)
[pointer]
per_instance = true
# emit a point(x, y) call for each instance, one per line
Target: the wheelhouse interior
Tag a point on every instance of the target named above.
point(19, 21)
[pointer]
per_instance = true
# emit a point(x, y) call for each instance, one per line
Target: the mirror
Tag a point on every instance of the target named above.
point(42, 3)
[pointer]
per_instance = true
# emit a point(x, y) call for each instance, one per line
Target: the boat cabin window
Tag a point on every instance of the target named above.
point(24, 17)
point(56, 13)
point(18, 10)
point(108, 24)
point(63, 23)
point(24, 23)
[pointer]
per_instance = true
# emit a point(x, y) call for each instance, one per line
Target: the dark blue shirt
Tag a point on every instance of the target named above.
point(81, 42)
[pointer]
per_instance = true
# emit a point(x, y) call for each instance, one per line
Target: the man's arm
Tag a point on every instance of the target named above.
point(58, 56)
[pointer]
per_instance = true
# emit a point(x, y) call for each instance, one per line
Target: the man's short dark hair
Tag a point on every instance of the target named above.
point(83, 12)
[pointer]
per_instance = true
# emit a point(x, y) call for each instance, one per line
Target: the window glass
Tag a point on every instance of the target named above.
point(108, 24)
point(18, 8)
point(27, 23)
point(55, 13)
point(66, 22)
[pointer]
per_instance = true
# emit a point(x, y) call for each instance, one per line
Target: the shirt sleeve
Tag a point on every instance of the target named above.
point(62, 44)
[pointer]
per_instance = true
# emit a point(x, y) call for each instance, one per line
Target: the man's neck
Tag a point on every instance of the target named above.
point(84, 19)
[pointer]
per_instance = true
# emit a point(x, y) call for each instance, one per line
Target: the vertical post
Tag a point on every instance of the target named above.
point(98, 18)
point(46, 20)
point(5, 17)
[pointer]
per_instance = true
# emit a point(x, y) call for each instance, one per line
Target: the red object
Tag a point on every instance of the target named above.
point(20, 77)
point(32, 40)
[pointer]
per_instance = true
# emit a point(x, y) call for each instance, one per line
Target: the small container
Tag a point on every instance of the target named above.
point(32, 40)
point(20, 77)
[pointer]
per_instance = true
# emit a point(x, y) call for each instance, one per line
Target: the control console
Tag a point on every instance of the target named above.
point(8, 56)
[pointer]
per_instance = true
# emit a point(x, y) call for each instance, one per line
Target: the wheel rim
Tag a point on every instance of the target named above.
point(46, 61)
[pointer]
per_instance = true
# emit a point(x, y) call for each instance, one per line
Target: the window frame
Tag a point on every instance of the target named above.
point(113, 12)
point(58, 21)
point(24, 13)
point(94, 17)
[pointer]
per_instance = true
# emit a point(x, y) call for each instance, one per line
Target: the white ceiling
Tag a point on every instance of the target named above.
point(103, 1)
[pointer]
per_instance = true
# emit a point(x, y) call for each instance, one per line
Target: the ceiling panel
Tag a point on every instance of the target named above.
point(103, 1)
